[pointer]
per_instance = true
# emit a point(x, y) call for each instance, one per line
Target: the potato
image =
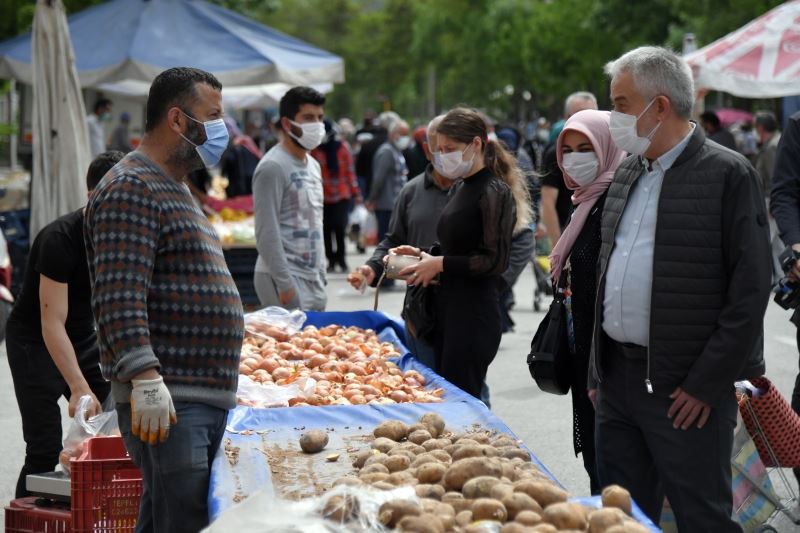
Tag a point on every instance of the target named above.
point(384, 445)
point(341, 509)
point(401, 478)
point(427, 523)
point(374, 468)
point(482, 437)
point(545, 493)
point(503, 440)
point(616, 496)
point(431, 472)
point(434, 421)
point(489, 509)
point(512, 453)
point(630, 526)
point(384, 485)
point(442, 456)
point(464, 441)
point(509, 470)
point(391, 512)
point(405, 453)
point(423, 458)
point(518, 502)
point(514, 527)
point(528, 518)
point(313, 441)
point(477, 450)
point(479, 487)
point(397, 463)
point(565, 515)
point(419, 436)
point(373, 477)
point(349, 481)
point(461, 505)
point(416, 426)
point(544, 528)
point(464, 518)
point(362, 456)
point(416, 449)
point(376, 458)
point(436, 444)
point(501, 490)
point(463, 470)
point(391, 429)
point(434, 492)
point(603, 519)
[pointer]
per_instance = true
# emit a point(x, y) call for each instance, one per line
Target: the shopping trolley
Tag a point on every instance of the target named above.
point(772, 425)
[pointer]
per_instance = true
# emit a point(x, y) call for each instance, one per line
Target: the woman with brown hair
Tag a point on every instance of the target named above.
point(475, 229)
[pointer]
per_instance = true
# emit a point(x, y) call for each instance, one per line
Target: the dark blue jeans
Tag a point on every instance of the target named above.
point(176, 473)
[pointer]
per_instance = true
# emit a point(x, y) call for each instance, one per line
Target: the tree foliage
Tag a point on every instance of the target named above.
point(507, 56)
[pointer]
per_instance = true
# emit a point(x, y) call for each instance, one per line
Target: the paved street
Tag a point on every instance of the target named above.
point(543, 421)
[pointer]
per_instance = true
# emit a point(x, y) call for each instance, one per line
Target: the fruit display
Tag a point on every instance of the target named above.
point(464, 481)
point(350, 366)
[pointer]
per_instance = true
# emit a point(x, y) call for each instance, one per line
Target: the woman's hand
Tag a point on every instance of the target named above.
point(423, 272)
point(404, 250)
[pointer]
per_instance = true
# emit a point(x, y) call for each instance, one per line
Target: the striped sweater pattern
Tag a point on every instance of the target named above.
point(162, 294)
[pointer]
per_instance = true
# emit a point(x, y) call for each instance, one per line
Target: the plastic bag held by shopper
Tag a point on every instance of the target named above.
point(83, 429)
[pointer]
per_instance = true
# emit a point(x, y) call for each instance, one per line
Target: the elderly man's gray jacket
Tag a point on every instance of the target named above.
point(711, 271)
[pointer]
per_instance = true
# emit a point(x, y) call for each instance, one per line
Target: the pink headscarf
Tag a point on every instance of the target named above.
point(593, 124)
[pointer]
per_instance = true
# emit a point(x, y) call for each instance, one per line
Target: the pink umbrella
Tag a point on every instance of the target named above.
point(759, 60)
point(730, 116)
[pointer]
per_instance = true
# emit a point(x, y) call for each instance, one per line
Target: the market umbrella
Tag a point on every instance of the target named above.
point(243, 97)
point(759, 60)
point(60, 137)
point(136, 39)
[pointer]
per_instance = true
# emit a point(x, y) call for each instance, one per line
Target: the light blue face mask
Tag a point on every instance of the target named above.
point(216, 140)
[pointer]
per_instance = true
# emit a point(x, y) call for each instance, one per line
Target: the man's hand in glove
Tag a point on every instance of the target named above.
point(152, 411)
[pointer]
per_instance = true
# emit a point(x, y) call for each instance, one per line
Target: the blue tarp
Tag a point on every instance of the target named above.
point(136, 39)
point(262, 460)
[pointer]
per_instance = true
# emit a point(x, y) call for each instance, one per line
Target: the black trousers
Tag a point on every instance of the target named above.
point(38, 385)
point(638, 448)
point(334, 224)
point(468, 332)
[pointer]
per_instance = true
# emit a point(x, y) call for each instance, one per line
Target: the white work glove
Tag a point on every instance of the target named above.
point(152, 411)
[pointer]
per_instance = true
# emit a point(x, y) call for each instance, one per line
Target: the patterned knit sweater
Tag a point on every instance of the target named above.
point(162, 296)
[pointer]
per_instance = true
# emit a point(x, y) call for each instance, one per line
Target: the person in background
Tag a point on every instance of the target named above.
point(169, 317)
point(415, 154)
point(716, 132)
point(474, 231)
point(556, 204)
point(414, 220)
point(389, 174)
point(746, 141)
point(52, 344)
point(766, 127)
point(587, 157)
point(785, 207)
point(121, 136)
point(288, 198)
point(371, 137)
point(94, 122)
point(340, 189)
point(677, 321)
point(6, 298)
point(239, 161)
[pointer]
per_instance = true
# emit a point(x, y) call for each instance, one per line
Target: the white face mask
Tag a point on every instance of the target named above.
point(581, 167)
point(452, 165)
point(402, 142)
point(623, 131)
point(313, 134)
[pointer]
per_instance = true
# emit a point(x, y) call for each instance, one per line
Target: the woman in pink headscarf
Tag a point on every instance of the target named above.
point(588, 158)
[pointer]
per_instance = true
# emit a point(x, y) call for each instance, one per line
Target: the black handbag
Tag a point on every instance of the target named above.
point(550, 359)
point(419, 311)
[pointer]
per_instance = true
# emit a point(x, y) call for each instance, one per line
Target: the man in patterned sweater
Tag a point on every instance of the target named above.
point(168, 313)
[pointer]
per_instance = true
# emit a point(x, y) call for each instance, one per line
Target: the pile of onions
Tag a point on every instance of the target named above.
point(350, 366)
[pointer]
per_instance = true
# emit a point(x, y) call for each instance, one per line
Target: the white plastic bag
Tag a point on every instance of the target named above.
point(254, 394)
point(83, 429)
point(358, 216)
point(290, 321)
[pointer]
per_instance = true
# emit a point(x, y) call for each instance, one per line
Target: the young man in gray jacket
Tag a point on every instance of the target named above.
point(288, 199)
point(684, 282)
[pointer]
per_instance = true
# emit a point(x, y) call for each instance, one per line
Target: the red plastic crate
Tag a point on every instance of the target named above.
point(106, 488)
point(24, 516)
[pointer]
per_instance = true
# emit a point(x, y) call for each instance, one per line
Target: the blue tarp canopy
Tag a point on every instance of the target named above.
point(136, 39)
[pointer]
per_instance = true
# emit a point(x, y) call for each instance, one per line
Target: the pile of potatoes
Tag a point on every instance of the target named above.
point(351, 366)
point(463, 480)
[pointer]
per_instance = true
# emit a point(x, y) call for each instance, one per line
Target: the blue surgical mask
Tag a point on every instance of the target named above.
point(216, 141)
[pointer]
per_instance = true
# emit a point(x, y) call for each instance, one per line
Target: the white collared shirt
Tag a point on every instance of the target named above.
point(629, 278)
